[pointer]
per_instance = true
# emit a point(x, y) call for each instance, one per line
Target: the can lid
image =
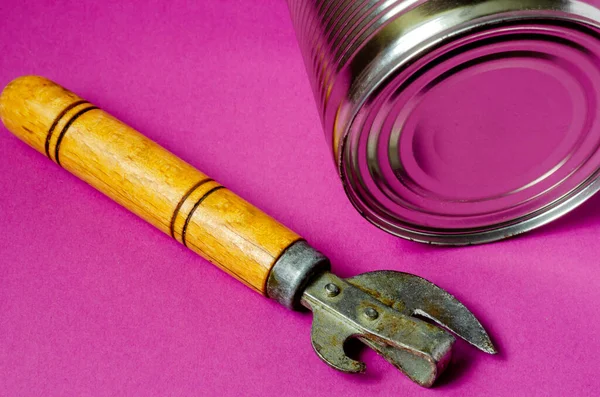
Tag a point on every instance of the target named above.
point(481, 121)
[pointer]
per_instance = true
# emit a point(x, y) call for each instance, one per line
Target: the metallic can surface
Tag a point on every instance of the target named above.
point(457, 122)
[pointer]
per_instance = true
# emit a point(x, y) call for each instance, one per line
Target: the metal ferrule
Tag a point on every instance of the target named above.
point(292, 272)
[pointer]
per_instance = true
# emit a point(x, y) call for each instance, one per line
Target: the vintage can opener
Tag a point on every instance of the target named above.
point(379, 308)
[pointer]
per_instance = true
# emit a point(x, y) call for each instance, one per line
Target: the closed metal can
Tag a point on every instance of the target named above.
point(457, 122)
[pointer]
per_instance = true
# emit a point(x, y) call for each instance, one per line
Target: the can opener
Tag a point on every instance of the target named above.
point(392, 312)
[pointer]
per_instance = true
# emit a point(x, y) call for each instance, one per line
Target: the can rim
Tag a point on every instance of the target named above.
point(453, 25)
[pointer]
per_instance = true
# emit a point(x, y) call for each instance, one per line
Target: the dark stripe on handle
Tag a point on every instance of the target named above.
point(185, 197)
point(66, 127)
point(55, 123)
point(189, 217)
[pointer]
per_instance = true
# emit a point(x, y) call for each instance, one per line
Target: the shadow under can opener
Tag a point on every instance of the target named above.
point(379, 308)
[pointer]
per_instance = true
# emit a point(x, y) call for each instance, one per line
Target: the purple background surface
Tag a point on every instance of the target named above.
point(94, 301)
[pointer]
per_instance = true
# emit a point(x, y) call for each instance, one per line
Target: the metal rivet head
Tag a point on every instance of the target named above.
point(332, 289)
point(371, 313)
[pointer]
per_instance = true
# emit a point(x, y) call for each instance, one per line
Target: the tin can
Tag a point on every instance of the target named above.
point(457, 122)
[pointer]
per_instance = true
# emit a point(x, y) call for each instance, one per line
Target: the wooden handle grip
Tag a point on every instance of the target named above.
point(145, 178)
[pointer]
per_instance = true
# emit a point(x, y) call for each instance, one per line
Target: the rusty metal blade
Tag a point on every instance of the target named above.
point(415, 296)
point(342, 311)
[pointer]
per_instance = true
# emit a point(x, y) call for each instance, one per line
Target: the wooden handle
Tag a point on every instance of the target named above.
point(145, 178)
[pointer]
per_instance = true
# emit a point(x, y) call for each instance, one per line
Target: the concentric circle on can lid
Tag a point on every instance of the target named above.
point(485, 126)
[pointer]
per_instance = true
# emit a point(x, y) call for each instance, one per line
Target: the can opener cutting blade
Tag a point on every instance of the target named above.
point(383, 309)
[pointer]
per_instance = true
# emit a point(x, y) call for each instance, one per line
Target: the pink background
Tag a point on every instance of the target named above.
point(94, 301)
